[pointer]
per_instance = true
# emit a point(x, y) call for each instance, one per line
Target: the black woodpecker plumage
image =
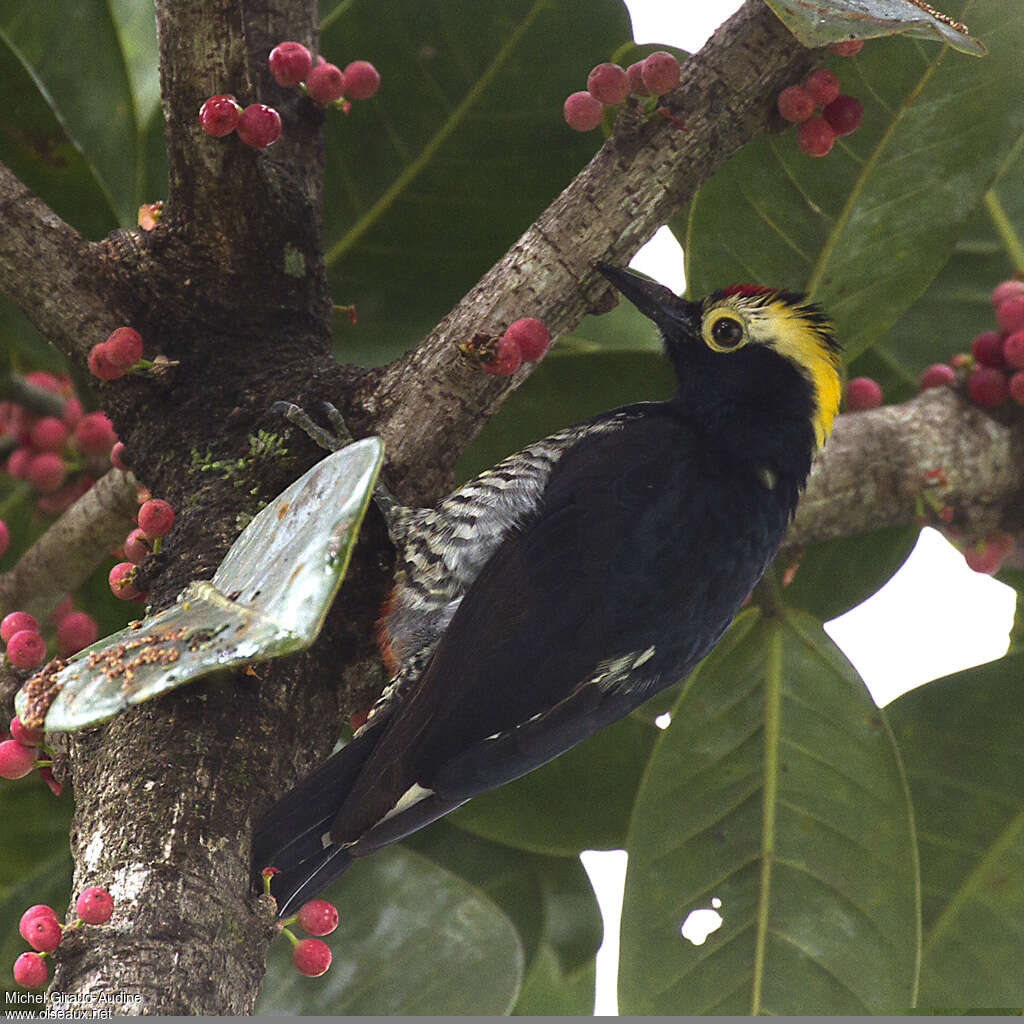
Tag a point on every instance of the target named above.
point(557, 591)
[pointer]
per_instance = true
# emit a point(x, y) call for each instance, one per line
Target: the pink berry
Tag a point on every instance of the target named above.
point(259, 126)
point(94, 434)
point(46, 774)
point(30, 970)
point(582, 112)
point(156, 517)
point(43, 933)
point(289, 63)
point(1015, 386)
point(5, 537)
point(987, 554)
point(16, 760)
point(219, 115)
point(318, 917)
point(987, 349)
point(862, 393)
point(531, 337)
point(15, 622)
point(312, 957)
point(24, 735)
point(1010, 313)
point(506, 358)
point(62, 609)
point(1013, 350)
point(936, 376)
point(117, 454)
point(122, 581)
point(823, 85)
point(137, 546)
point(43, 379)
point(660, 72)
point(72, 412)
point(26, 649)
point(844, 114)
point(847, 48)
point(124, 347)
point(635, 74)
point(49, 434)
point(17, 462)
point(76, 631)
point(795, 103)
point(326, 83)
point(1006, 290)
point(46, 472)
point(815, 136)
point(362, 80)
point(101, 365)
point(608, 83)
point(94, 906)
point(39, 910)
point(986, 387)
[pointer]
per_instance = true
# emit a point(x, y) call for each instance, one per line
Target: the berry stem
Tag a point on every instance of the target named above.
point(1004, 228)
point(291, 938)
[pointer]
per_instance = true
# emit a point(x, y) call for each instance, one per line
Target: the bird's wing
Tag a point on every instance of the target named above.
point(538, 654)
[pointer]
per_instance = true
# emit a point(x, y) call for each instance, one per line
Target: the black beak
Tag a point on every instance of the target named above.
point(653, 300)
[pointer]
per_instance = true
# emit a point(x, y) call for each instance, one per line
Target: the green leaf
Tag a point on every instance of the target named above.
point(580, 801)
point(819, 22)
point(962, 742)
point(413, 940)
point(866, 229)
point(472, 94)
point(548, 990)
point(136, 31)
point(36, 146)
point(777, 789)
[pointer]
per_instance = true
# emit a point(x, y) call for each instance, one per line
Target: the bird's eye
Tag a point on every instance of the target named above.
point(724, 332)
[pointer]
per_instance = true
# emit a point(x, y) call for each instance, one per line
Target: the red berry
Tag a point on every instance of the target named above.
point(1013, 350)
point(156, 517)
point(62, 609)
point(935, 376)
point(795, 103)
point(26, 649)
point(94, 906)
point(862, 393)
point(318, 917)
point(987, 554)
point(124, 347)
point(326, 83)
point(1006, 290)
point(117, 459)
point(24, 735)
point(815, 136)
point(16, 760)
point(1010, 313)
point(17, 462)
point(362, 80)
point(46, 774)
point(1015, 386)
point(219, 115)
point(46, 472)
point(94, 434)
point(823, 85)
point(49, 434)
point(43, 379)
point(39, 910)
point(531, 337)
point(986, 387)
point(30, 970)
point(101, 365)
point(72, 412)
point(75, 632)
point(289, 63)
point(847, 48)
point(5, 537)
point(122, 581)
point(312, 957)
point(582, 112)
point(259, 126)
point(43, 933)
point(137, 546)
point(844, 114)
point(15, 622)
point(660, 72)
point(506, 358)
point(635, 74)
point(608, 83)
point(987, 348)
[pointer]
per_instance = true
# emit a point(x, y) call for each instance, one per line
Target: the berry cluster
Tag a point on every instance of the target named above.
point(42, 930)
point(258, 125)
point(121, 353)
point(311, 957)
point(524, 341)
point(608, 85)
point(840, 114)
point(19, 755)
point(155, 519)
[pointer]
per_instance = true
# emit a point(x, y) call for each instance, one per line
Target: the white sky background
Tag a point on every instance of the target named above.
point(935, 616)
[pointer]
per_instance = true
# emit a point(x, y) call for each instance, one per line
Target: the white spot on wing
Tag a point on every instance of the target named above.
point(413, 795)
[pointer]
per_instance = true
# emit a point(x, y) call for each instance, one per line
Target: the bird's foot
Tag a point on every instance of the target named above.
point(332, 440)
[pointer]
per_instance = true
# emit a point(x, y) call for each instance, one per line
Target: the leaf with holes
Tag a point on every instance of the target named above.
point(269, 597)
point(777, 789)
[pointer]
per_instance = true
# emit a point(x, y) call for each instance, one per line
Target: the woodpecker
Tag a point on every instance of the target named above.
point(555, 592)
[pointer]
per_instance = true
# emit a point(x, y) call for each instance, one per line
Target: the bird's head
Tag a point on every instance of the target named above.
point(750, 328)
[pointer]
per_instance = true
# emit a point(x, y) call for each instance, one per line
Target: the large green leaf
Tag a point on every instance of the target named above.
point(414, 939)
point(777, 789)
point(430, 181)
point(867, 228)
point(962, 741)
